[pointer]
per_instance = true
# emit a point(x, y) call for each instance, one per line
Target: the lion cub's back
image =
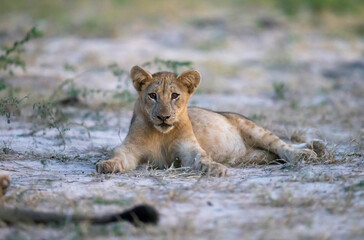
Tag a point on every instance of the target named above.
point(216, 135)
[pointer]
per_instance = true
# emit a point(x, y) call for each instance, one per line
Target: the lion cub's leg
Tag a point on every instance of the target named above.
point(256, 136)
point(207, 165)
point(192, 155)
point(316, 145)
point(124, 159)
point(258, 156)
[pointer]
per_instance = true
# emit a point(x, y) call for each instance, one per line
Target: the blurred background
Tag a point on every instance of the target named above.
point(299, 58)
point(120, 18)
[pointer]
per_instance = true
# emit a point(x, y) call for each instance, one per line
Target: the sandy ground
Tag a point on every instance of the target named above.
point(323, 98)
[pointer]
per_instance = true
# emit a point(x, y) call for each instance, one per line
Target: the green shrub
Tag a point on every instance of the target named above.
point(12, 55)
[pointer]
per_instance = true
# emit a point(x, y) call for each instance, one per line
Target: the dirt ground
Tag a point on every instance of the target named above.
point(300, 84)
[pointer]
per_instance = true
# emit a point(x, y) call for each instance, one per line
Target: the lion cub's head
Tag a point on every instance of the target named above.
point(164, 95)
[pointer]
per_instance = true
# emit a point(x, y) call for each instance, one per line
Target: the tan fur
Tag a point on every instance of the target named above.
point(164, 131)
point(4, 183)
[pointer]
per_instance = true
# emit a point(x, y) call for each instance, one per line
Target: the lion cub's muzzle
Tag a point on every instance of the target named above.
point(163, 123)
point(163, 118)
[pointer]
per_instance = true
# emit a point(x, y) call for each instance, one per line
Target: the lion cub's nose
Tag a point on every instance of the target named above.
point(163, 118)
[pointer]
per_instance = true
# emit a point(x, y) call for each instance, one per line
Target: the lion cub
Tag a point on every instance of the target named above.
point(164, 130)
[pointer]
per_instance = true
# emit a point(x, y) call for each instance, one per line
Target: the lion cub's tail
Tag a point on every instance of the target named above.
point(141, 214)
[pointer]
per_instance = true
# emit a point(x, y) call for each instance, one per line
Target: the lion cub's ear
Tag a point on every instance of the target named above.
point(190, 79)
point(140, 77)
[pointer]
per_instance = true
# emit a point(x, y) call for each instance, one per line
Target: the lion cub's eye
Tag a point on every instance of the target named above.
point(174, 96)
point(153, 96)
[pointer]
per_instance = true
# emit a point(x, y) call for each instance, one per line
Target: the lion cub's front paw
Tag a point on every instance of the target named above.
point(4, 184)
point(213, 168)
point(109, 166)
